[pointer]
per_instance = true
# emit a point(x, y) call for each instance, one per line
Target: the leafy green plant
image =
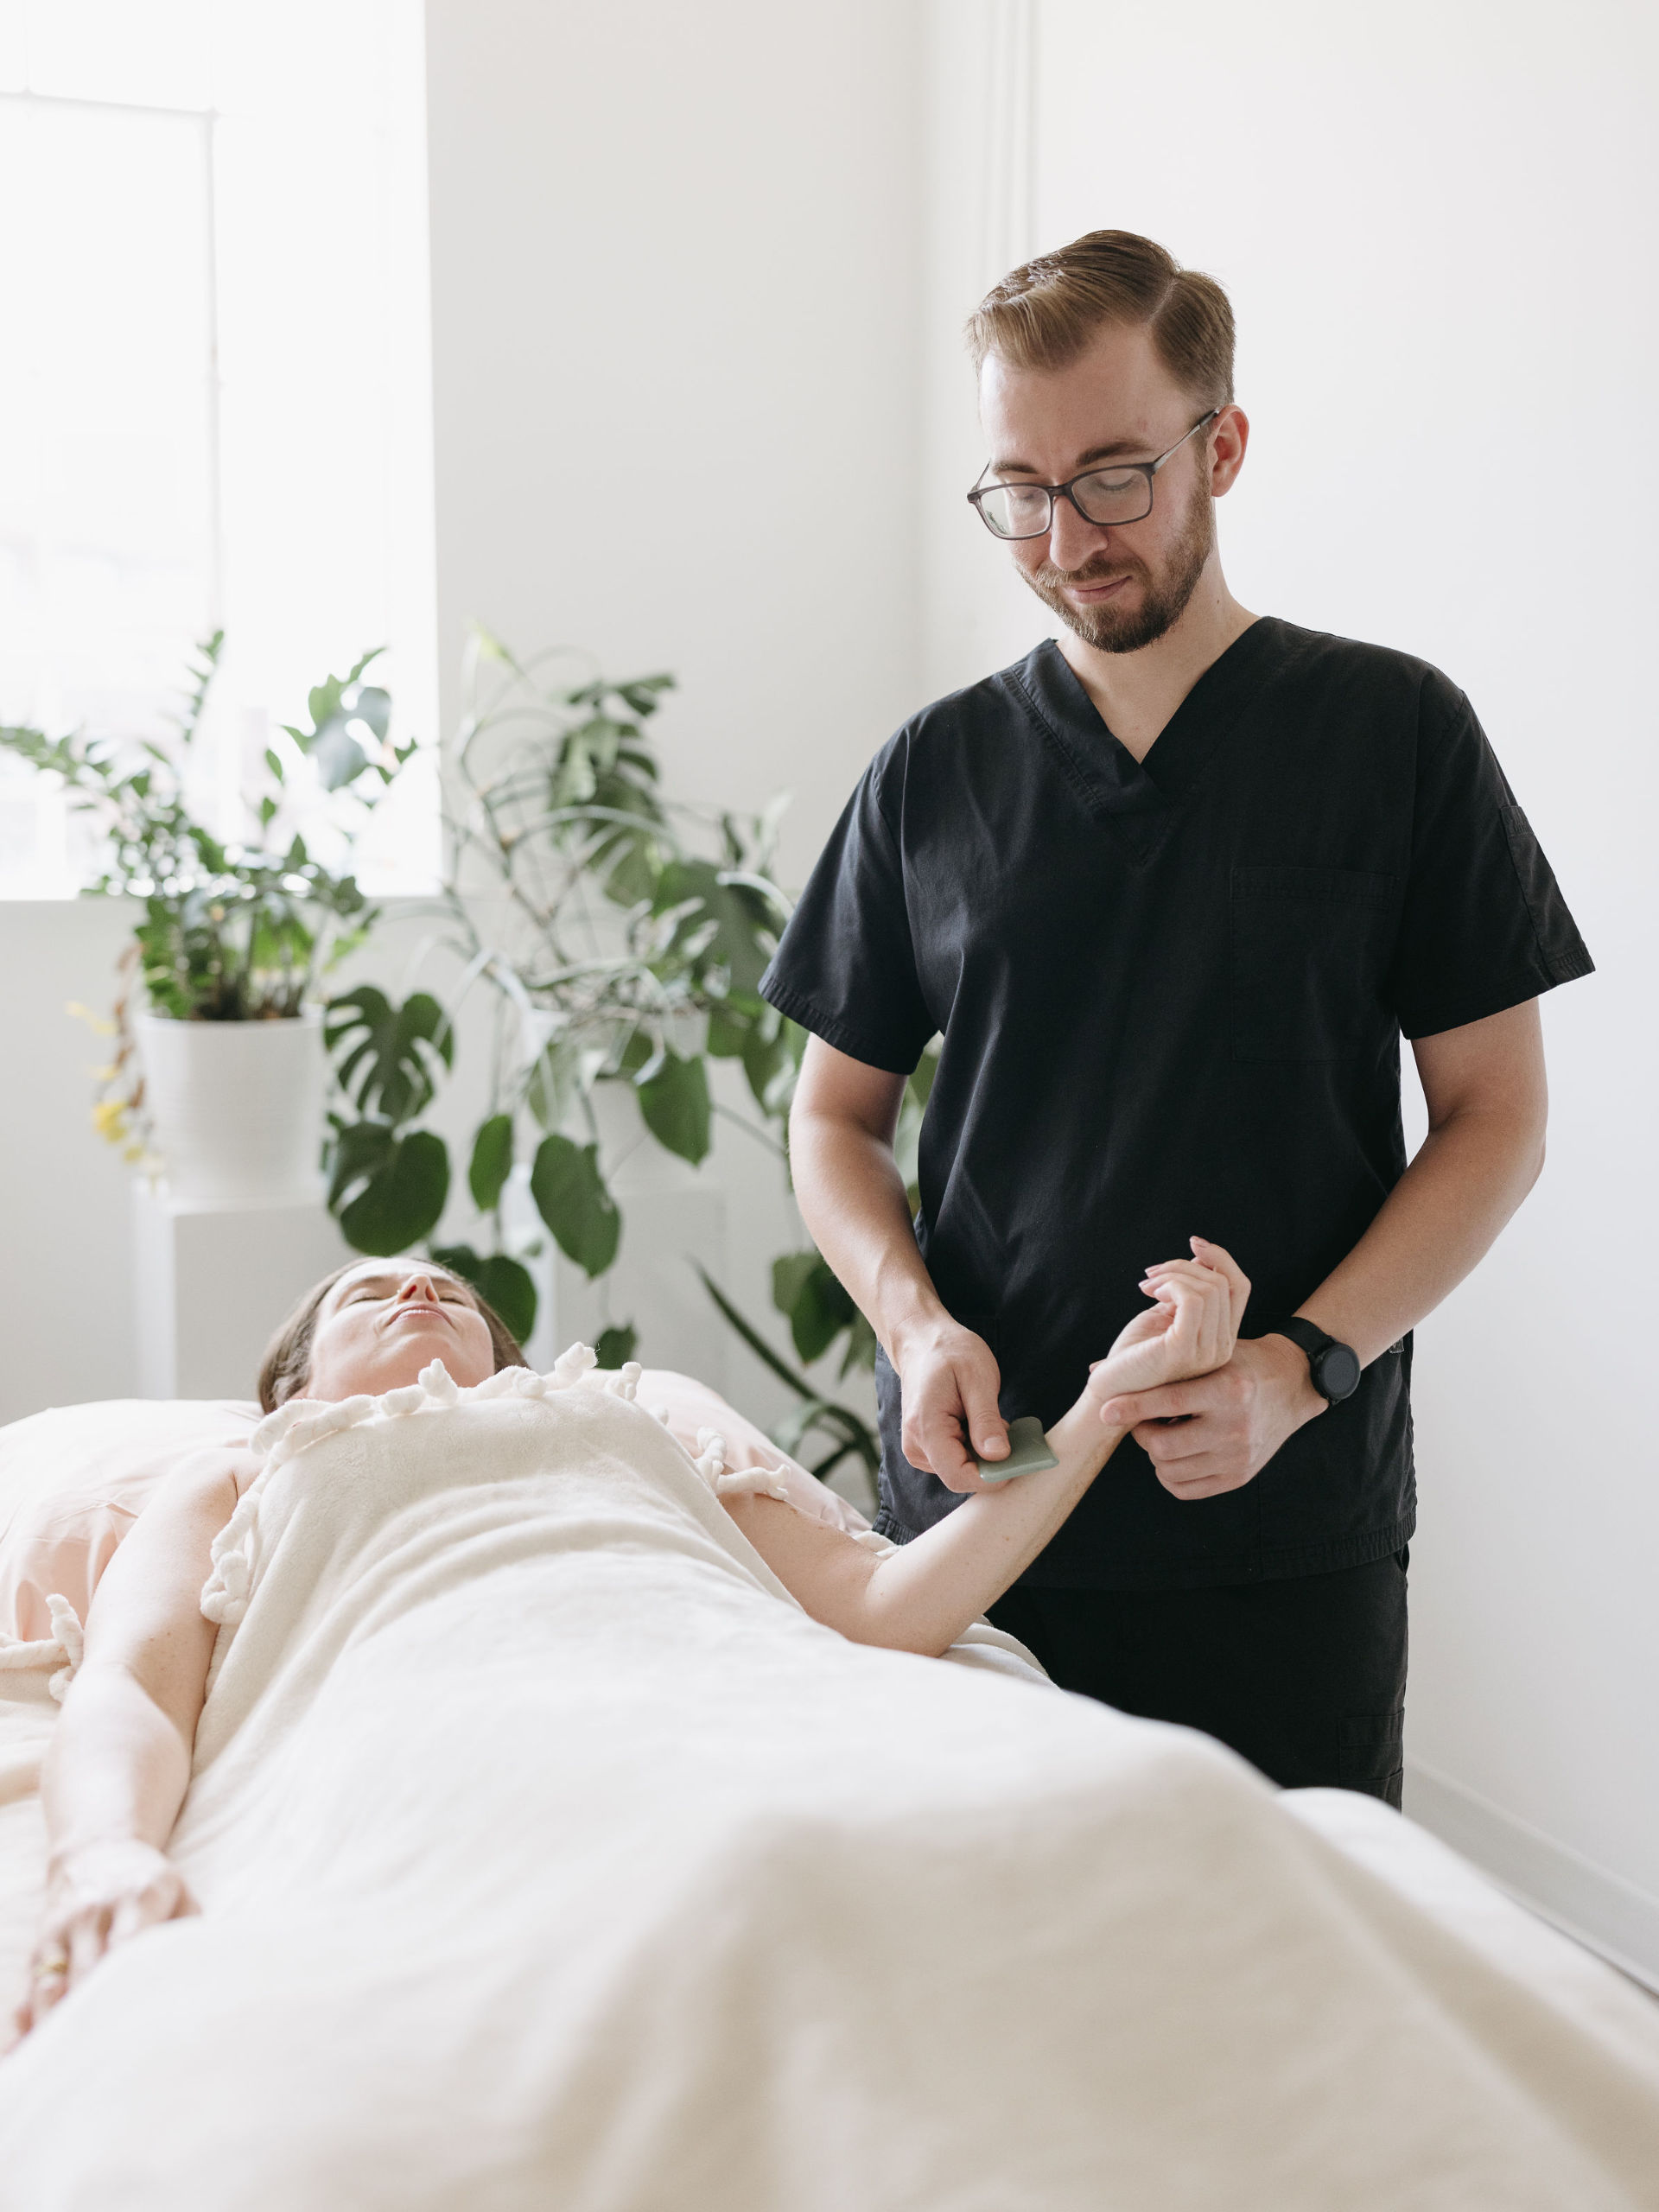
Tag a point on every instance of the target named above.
point(233, 930)
point(846, 1433)
point(622, 937)
point(390, 1183)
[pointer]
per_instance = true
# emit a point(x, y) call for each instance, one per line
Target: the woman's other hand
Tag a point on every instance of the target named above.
point(97, 1896)
point(1190, 1328)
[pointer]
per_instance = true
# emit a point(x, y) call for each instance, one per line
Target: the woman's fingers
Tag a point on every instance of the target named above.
point(1211, 1260)
point(1200, 1336)
point(74, 1942)
point(1192, 1301)
point(1238, 1283)
point(89, 1939)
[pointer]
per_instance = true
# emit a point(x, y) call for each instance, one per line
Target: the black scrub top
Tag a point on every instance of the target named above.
point(1170, 996)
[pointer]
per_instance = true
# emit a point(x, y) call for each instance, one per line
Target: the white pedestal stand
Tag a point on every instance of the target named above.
point(211, 1282)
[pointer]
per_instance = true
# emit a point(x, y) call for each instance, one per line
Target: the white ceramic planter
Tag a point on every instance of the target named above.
point(236, 1107)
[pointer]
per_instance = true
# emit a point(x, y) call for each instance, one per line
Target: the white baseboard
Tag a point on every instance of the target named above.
point(1602, 1909)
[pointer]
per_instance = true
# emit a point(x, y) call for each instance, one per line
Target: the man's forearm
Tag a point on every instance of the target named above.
point(1434, 1227)
point(852, 1200)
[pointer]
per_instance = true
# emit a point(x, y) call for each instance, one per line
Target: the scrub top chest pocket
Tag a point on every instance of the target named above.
point(1310, 946)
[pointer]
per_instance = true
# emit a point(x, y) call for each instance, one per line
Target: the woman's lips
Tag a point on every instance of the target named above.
point(404, 1312)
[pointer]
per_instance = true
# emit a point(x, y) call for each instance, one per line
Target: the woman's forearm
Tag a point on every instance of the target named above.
point(923, 1596)
point(117, 1769)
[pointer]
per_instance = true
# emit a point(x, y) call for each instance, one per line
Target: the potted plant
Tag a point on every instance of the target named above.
point(220, 1065)
point(622, 937)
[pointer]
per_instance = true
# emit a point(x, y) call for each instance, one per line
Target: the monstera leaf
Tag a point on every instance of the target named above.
point(388, 1191)
point(675, 1103)
point(572, 1199)
point(724, 924)
point(804, 1289)
point(391, 1055)
point(616, 1346)
point(491, 1163)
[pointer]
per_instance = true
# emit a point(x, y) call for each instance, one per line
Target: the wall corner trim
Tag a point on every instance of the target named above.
point(1596, 1907)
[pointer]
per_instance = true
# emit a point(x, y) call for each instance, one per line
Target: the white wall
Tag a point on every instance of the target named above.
point(674, 265)
point(674, 258)
point(1438, 221)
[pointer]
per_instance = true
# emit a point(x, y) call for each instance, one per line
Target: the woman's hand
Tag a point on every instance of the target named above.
point(1190, 1328)
point(97, 1896)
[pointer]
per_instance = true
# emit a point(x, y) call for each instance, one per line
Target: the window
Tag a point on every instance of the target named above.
point(215, 392)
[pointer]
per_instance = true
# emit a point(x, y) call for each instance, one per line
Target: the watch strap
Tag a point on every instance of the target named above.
point(1307, 1335)
point(1317, 1343)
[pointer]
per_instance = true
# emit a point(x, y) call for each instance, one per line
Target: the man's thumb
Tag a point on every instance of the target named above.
point(987, 1431)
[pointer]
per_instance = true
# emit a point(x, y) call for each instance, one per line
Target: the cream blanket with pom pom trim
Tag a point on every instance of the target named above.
point(550, 1854)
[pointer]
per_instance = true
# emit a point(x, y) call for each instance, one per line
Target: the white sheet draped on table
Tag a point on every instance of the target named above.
point(550, 1855)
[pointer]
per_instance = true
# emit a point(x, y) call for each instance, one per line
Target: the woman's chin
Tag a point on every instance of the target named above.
point(394, 1365)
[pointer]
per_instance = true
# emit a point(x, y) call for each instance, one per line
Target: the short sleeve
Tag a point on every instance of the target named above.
point(846, 966)
point(1484, 925)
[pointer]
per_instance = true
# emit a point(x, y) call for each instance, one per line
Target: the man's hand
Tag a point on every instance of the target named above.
point(950, 1381)
point(1217, 1432)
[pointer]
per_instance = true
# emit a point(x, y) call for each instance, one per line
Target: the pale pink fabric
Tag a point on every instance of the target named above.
point(73, 1481)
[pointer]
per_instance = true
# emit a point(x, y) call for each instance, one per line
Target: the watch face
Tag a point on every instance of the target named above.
point(1335, 1373)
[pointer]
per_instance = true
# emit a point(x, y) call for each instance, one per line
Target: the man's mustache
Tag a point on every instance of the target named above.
point(1092, 572)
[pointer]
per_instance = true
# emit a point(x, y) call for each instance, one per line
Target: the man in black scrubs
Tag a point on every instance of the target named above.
point(1172, 889)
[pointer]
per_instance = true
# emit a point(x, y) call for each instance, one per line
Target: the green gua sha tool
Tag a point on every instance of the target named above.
point(1029, 1452)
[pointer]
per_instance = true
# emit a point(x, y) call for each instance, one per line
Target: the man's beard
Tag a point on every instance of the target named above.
point(1163, 601)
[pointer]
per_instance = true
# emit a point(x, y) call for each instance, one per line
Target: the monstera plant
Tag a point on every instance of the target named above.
point(622, 937)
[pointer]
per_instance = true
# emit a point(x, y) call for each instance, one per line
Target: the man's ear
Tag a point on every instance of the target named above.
point(1229, 436)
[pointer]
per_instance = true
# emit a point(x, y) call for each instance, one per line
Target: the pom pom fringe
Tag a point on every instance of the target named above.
point(292, 1428)
point(62, 1650)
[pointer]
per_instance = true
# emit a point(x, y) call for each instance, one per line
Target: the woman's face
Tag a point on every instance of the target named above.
point(384, 1319)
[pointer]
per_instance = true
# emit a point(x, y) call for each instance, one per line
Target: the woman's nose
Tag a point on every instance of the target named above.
point(420, 1285)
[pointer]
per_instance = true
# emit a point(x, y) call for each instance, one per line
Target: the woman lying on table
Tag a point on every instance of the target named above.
point(121, 1764)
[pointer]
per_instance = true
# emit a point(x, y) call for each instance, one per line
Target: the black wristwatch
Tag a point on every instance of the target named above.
point(1334, 1367)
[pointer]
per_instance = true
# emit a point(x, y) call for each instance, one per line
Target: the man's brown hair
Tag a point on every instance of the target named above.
point(287, 1364)
point(1043, 315)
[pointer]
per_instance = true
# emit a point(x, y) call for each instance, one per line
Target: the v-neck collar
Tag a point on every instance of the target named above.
point(1141, 798)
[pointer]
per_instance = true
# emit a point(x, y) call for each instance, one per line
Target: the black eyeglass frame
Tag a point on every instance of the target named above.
point(1147, 469)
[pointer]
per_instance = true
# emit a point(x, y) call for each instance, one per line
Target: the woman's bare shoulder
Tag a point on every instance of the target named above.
point(198, 1474)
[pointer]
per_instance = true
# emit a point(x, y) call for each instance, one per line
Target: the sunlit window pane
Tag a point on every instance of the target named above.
point(147, 53)
point(106, 507)
point(14, 46)
point(219, 408)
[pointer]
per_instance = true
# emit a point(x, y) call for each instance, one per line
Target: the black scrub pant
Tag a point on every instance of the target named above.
point(1306, 1678)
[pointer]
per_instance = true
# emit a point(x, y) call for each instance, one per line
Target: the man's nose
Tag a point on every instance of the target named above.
point(1072, 541)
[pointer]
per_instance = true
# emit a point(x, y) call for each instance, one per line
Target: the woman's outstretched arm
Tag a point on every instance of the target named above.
point(120, 1758)
point(922, 1597)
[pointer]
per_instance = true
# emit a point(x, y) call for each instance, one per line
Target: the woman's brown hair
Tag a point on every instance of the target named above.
point(287, 1362)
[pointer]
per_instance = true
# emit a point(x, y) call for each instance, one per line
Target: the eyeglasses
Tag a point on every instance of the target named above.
point(1104, 497)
